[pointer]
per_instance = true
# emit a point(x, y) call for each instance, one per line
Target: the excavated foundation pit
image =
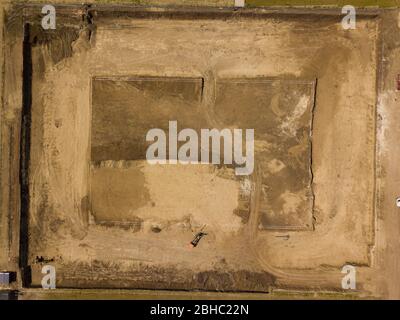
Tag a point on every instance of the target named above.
point(108, 219)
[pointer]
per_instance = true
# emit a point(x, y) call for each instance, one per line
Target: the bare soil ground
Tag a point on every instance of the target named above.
point(108, 219)
point(239, 48)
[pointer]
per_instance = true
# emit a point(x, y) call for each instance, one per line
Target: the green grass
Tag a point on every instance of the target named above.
point(257, 3)
point(249, 3)
point(338, 3)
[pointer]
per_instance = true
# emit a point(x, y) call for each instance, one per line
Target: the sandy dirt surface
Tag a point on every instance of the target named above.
point(254, 49)
point(386, 262)
point(322, 193)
